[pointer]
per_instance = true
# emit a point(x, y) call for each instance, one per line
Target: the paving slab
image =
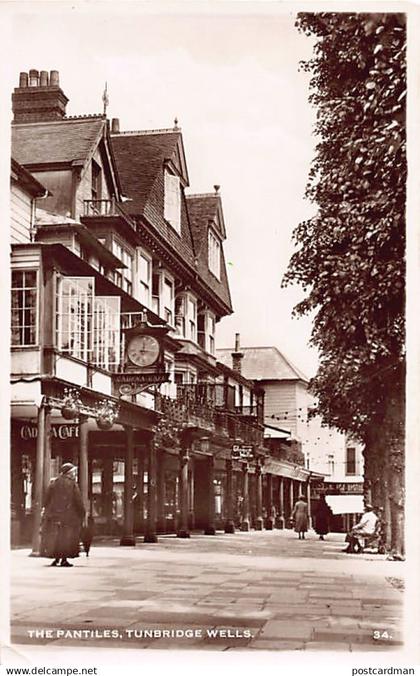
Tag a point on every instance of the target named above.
point(289, 595)
point(287, 630)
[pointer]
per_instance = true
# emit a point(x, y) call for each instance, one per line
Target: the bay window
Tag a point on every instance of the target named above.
point(106, 332)
point(88, 326)
point(24, 307)
point(75, 301)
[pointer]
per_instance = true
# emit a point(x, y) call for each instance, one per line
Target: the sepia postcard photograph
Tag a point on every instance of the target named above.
point(206, 274)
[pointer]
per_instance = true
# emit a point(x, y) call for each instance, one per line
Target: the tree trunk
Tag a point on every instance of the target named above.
point(396, 490)
point(376, 481)
point(395, 466)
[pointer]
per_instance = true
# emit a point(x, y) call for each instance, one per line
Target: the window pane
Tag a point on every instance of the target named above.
point(30, 298)
point(30, 278)
point(17, 279)
point(15, 298)
point(144, 269)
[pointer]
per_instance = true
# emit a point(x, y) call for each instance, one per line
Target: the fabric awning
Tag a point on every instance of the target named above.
point(345, 504)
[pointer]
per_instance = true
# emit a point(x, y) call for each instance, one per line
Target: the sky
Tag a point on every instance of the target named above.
point(229, 73)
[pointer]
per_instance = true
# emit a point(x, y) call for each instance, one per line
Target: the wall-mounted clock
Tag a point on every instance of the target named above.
point(143, 350)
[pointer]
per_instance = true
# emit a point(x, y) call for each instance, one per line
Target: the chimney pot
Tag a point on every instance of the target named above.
point(54, 78)
point(45, 104)
point(115, 125)
point(216, 188)
point(237, 356)
point(23, 79)
point(33, 78)
point(43, 81)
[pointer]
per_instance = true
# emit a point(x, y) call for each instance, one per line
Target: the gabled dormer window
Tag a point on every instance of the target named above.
point(172, 212)
point(214, 254)
point(96, 181)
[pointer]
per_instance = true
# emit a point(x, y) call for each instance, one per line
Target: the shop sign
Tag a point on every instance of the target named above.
point(57, 431)
point(242, 452)
point(133, 383)
point(343, 488)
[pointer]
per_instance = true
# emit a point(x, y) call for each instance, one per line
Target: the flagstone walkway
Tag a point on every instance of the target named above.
point(258, 590)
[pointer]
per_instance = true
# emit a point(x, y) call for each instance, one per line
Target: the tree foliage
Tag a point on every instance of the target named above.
point(350, 255)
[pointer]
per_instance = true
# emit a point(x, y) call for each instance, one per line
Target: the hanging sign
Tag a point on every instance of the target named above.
point(133, 383)
point(242, 452)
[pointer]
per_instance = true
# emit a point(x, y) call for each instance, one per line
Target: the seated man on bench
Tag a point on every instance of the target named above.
point(365, 529)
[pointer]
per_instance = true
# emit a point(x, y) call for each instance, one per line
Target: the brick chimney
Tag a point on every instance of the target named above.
point(38, 97)
point(237, 355)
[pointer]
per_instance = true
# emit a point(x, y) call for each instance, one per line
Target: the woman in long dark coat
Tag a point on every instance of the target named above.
point(323, 516)
point(62, 518)
point(300, 517)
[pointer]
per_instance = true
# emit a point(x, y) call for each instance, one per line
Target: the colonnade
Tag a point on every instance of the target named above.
point(252, 497)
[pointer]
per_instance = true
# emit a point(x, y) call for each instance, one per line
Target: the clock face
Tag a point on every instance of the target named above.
point(143, 350)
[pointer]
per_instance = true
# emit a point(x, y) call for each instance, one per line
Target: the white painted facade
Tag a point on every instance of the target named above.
point(21, 206)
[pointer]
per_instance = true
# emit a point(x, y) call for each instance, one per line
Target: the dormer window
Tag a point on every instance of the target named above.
point(214, 254)
point(172, 212)
point(96, 181)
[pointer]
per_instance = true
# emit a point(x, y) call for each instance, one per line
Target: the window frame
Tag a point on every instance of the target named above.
point(351, 462)
point(214, 246)
point(172, 207)
point(87, 350)
point(21, 327)
point(109, 332)
point(141, 253)
point(96, 180)
point(166, 276)
point(192, 318)
point(121, 279)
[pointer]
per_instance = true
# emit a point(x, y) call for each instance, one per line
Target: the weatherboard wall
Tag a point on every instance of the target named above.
point(21, 209)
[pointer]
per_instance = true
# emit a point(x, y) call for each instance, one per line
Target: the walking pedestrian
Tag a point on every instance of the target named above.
point(323, 517)
point(300, 517)
point(62, 518)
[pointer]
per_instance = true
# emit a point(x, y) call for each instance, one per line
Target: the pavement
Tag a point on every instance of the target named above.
point(256, 591)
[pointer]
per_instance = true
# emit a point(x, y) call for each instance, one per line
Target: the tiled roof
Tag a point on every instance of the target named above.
point(140, 158)
point(263, 363)
point(201, 210)
point(32, 185)
point(207, 208)
point(49, 142)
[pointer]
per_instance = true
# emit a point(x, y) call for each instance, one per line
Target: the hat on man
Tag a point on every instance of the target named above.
point(67, 467)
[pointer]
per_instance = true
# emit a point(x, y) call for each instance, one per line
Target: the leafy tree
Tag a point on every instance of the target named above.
point(350, 255)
